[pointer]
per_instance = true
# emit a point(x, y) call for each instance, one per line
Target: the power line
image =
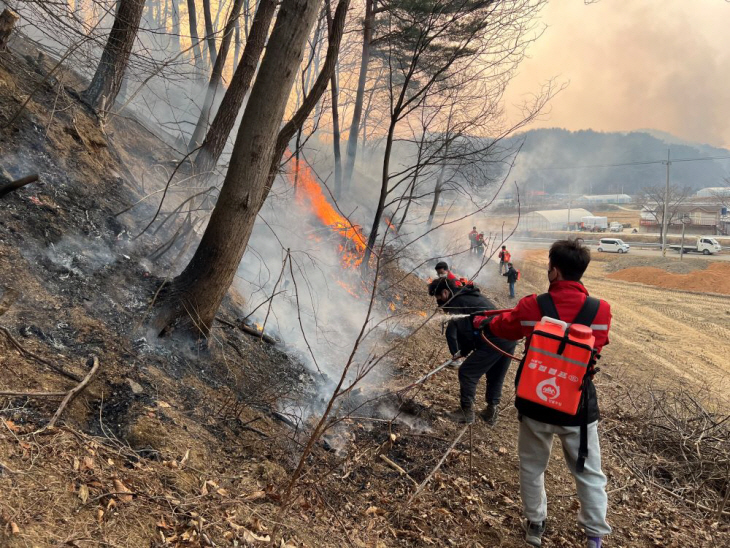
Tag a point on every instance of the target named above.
point(642, 163)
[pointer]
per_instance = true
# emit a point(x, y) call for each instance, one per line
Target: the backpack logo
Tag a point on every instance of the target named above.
point(548, 389)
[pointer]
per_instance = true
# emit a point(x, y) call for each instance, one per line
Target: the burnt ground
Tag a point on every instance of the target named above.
point(176, 443)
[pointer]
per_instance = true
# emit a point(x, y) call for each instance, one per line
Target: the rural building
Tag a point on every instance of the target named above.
point(553, 219)
point(713, 192)
point(593, 199)
point(703, 218)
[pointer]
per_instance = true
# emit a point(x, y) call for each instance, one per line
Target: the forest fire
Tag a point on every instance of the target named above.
point(310, 195)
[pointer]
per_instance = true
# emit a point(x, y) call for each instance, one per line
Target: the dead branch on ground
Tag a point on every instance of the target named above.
point(7, 188)
point(75, 391)
point(29, 354)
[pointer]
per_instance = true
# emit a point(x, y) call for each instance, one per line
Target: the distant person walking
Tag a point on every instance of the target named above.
point(473, 240)
point(512, 277)
point(504, 259)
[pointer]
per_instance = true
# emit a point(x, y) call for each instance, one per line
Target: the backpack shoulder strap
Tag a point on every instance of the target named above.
point(589, 311)
point(547, 306)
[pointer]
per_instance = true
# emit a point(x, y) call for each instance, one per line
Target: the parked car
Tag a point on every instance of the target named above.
point(613, 245)
point(615, 227)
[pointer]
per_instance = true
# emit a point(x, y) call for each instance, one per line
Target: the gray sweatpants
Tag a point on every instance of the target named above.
point(535, 443)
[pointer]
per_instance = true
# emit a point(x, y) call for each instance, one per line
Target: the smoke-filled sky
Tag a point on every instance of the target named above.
point(659, 64)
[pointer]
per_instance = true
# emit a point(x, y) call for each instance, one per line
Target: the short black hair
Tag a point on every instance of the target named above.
point(504, 247)
point(442, 264)
point(571, 257)
point(439, 284)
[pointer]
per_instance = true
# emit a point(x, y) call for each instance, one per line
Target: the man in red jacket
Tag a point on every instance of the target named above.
point(538, 425)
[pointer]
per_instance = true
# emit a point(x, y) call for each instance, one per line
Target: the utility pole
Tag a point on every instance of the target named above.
point(665, 223)
point(569, 197)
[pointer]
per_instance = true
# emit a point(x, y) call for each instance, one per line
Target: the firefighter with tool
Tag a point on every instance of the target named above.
point(464, 339)
point(565, 330)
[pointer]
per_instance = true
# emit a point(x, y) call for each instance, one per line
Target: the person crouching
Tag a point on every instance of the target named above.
point(465, 343)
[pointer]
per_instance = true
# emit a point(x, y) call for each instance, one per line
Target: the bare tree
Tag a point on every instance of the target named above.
point(195, 295)
point(335, 114)
point(209, 32)
point(225, 118)
point(107, 81)
point(371, 9)
point(652, 202)
point(432, 47)
point(193, 24)
point(312, 98)
point(215, 77)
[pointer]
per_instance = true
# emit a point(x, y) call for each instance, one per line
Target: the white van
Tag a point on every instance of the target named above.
point(613, 245)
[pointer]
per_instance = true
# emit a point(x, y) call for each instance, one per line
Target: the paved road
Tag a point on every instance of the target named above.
point(526, 243)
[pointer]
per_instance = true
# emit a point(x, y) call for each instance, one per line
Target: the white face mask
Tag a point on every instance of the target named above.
point(442, 274)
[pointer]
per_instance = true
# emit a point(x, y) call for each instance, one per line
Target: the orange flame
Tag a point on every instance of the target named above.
point(310, 195)
point(390, 225)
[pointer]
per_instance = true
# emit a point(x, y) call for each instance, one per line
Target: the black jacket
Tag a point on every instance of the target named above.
point(462, 337)
point(460, 333)
point(511, 275)
point(468, 300)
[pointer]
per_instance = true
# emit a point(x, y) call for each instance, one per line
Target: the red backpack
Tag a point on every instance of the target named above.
point(559, 362)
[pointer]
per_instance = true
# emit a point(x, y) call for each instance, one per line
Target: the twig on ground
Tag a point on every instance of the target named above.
point(443, 459)
point(398, 469)
point(37, 358)
point(75, 391)
point(10, 393)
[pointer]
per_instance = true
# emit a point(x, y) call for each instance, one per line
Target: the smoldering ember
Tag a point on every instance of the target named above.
point(306, 273)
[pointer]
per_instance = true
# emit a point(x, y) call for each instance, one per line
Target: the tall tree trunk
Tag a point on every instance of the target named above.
point(104, 87)
point(165, 16)
point(225, 118)
point(215, 77)
point(209, 32)
point(313, 97)
point(193, 23)
point(335, 114)
point(373, 238)
point(416, 173)
point(437, 192)
point(196, 294)
point(237, 51)
point(360, 94)
point(408, 203)
point(175, 26)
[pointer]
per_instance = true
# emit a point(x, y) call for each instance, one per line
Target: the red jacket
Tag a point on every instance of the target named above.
point(568, 298)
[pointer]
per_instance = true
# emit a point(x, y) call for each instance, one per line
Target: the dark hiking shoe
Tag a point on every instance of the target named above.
point(461, 415)
point(533, 532)
point(593, 542)
point(490, 414)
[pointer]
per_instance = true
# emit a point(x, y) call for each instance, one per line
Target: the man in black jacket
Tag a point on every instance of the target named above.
point(511, 279)
point(462, 339)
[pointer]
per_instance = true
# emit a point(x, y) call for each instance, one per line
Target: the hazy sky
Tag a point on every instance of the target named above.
point(634, 64)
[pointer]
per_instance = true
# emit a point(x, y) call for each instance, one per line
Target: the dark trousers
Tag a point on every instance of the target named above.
point(485, 360)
